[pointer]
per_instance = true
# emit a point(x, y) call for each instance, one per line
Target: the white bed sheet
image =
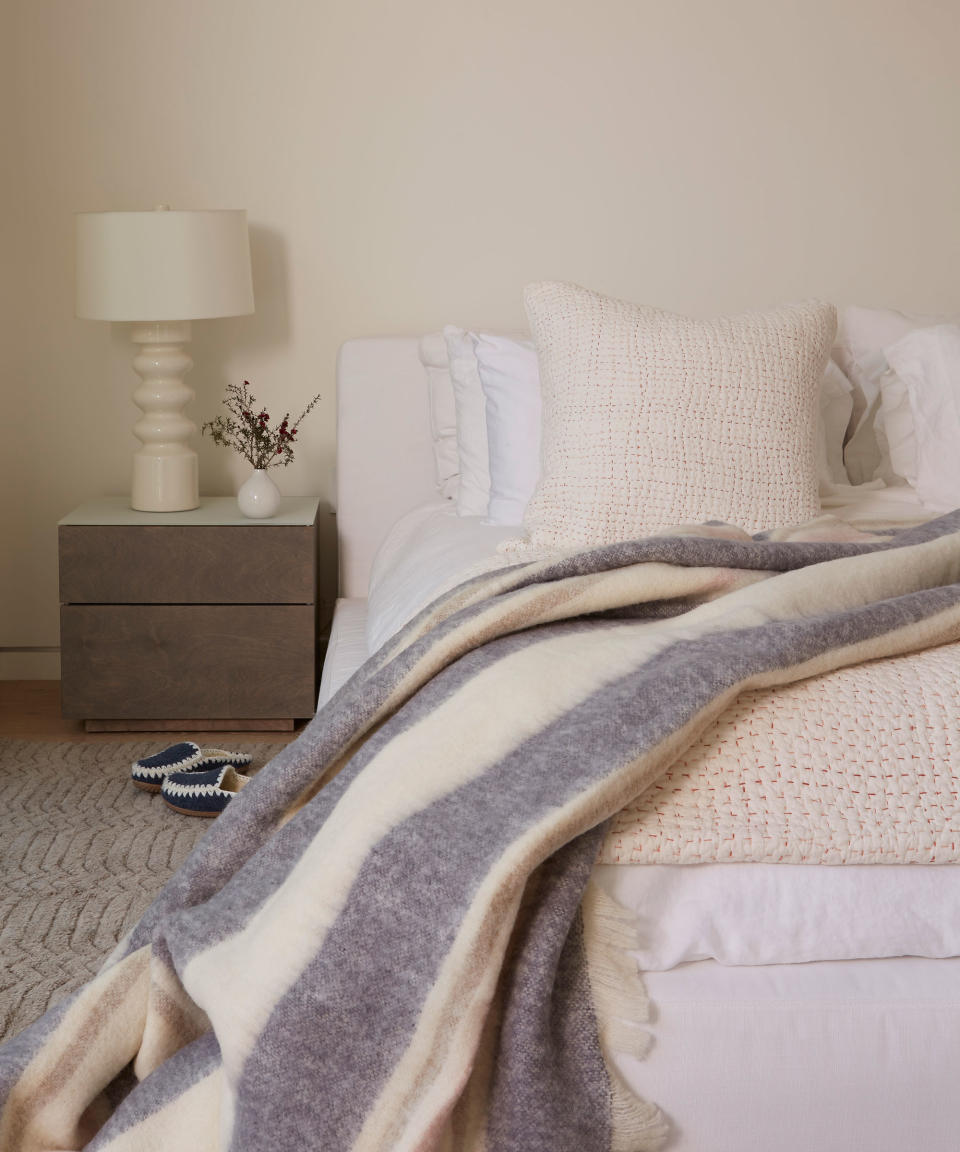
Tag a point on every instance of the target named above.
point(743, 914)
point(876, 502)
point(861, 1056)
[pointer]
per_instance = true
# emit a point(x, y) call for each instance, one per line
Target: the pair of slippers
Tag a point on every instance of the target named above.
point(192, 780)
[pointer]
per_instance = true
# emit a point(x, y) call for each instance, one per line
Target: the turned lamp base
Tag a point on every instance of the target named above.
point(165, 470)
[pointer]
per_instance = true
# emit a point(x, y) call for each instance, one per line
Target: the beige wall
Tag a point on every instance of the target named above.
point(408, 164)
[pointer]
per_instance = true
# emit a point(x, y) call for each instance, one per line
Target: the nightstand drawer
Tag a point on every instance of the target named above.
point(172, 564)
point(188, 661)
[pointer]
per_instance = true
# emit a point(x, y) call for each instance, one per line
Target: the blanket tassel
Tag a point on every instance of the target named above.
point(621, 1005)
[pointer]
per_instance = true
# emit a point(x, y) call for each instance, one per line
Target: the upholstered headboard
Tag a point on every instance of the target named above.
point(385, 463)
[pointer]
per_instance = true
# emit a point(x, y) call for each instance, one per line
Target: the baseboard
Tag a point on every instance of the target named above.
point(189, 725)
point(29, 664)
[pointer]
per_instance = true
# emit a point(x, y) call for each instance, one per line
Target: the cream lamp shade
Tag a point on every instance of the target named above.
point(161, 269)
point(163, 265)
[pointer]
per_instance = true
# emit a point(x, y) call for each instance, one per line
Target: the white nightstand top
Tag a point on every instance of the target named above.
point(213, 510)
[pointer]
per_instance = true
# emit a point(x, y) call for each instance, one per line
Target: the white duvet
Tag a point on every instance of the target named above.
point(426, 553)
point(431, 549)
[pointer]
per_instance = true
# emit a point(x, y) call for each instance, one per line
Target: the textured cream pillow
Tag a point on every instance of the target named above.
point(652, 420)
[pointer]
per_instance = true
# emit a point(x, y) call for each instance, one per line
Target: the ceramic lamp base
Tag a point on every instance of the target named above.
point(165, 483)
point(165, 470)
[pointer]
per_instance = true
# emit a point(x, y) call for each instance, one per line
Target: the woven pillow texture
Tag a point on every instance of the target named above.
point(652, 419)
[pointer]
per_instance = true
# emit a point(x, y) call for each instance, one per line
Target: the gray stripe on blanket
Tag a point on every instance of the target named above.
point(381, 957)
point(549, 1040)
point(176, 1075)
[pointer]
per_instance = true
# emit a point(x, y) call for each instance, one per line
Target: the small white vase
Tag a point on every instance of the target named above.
point(258, 497)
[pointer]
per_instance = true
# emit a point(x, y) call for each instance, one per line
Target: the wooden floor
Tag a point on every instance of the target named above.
point(30, 710)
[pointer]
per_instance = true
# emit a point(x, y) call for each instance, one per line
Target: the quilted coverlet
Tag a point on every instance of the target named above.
point(383, 943)
point(861, 766)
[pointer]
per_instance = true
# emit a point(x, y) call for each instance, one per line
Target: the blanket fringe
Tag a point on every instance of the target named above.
point(621, 1004)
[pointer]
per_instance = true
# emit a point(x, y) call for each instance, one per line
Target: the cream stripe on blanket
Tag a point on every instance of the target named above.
point(379, 946)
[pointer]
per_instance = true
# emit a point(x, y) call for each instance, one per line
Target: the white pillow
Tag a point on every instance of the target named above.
point(897, 429)
point(510, 379)
point(882, 444)
point(836, 407)
point(927, 361)
point(443, 413)
point(473, 495)
point(652, 419)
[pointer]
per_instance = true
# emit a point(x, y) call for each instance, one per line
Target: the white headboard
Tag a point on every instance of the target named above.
point(385, 463)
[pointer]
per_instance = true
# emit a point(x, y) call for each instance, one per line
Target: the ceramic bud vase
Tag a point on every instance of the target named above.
point(258, 497)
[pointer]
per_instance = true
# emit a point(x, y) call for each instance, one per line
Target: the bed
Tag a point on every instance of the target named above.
point(835, 1050)
point(659, 717)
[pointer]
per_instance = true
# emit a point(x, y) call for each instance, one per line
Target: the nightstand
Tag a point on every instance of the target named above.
point(198, 620)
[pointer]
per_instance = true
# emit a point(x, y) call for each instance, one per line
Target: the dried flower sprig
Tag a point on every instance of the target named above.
point(248, 431)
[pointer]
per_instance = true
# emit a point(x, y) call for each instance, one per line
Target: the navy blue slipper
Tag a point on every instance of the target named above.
point(150, 772)
point(202, 793)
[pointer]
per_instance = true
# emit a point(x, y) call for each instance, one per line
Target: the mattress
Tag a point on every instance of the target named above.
point(766, 980)
point(346, 648)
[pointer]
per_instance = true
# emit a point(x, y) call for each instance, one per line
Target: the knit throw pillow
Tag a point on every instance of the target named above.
point(651, 420)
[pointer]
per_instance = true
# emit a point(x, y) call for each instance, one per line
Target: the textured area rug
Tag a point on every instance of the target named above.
point(82, 854)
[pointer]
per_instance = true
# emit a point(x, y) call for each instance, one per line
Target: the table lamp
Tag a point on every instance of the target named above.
point(162, 269)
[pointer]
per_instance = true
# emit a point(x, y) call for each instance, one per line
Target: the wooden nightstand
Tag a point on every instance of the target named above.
point(178, 620)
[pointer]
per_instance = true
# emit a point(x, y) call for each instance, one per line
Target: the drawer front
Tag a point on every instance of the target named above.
point(172, 564)
point(191, 662)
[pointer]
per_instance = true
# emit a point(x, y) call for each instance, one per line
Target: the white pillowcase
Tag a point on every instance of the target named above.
point(510, 378)
point(882, 444)
point(473, 495)
point(927, 363)
point(652, 419)
point(443, 413)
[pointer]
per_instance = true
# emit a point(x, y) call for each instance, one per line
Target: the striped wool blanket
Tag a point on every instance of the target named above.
point(383, 943)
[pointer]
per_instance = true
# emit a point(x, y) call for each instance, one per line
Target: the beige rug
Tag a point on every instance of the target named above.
point(82, 854)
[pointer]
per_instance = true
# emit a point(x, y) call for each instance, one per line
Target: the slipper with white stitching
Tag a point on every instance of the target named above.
point(150, 772)
point(202, 793)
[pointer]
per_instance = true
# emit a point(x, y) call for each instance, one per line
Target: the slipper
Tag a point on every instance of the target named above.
point(150, 772)
point(202, 793)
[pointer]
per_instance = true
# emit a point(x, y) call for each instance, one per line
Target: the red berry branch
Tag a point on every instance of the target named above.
point(248, 431)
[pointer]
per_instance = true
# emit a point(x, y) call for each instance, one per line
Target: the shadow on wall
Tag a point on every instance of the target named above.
point(223, 349)
point(268, 327)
